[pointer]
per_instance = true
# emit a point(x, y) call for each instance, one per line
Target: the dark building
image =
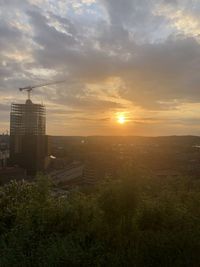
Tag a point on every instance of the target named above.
point(27, 119)
point(4, 150)
point(29, 146)
point(11, 173)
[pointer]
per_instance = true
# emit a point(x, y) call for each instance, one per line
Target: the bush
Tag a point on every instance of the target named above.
point(134, 221)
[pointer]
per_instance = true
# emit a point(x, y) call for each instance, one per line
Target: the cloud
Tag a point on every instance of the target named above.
point(182, 16)
point(164, 73)
point(149, 49)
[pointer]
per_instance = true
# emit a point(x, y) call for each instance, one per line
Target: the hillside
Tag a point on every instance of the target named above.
point(133, 221)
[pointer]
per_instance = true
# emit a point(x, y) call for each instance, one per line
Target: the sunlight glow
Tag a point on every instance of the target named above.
point(121, 119)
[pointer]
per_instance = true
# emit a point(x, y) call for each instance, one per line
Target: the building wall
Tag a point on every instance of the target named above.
point(27, 119)
point(29, 146)
point(30, 152)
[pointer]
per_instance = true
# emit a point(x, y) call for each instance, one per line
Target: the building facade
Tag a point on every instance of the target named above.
point(29, 145)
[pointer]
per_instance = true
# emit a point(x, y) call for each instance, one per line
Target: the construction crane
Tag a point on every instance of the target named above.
point(30, 88)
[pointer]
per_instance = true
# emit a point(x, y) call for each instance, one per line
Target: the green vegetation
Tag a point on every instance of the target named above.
point(134, 221)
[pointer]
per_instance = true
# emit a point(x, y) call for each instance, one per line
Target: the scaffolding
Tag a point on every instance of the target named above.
point(27, 119)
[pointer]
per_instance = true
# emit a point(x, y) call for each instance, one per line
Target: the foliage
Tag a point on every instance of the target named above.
point(133, 221)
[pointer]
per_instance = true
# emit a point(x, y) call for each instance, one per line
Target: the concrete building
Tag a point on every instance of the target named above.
point(4, 156)
point(29, 146)
point(4, 150)
point(27, 119)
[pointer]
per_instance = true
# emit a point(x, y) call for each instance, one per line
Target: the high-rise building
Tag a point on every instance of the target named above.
point(29, 146)
point(27, 119)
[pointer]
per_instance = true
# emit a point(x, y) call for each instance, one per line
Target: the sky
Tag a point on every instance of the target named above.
point(133, 59)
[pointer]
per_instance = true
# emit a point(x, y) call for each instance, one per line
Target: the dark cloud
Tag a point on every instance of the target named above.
point(87, 103)
point(47, 36)
point(166, 72)
point(9, 36)
point(158, 66)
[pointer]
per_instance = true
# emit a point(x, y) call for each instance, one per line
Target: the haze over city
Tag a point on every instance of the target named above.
point(131, 67)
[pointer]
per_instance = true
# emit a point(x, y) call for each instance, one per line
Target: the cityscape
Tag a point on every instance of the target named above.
point(84, 161)
point(99, 133)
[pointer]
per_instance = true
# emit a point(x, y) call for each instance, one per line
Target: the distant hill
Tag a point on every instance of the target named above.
point(160, 140)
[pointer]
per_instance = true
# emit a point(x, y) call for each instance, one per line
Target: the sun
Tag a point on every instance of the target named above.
point(121, 119)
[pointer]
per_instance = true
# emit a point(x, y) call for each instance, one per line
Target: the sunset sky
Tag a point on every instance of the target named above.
point(132, 67)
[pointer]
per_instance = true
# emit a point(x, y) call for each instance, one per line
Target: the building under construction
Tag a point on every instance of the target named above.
point(29, 146)
point(27, 119)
